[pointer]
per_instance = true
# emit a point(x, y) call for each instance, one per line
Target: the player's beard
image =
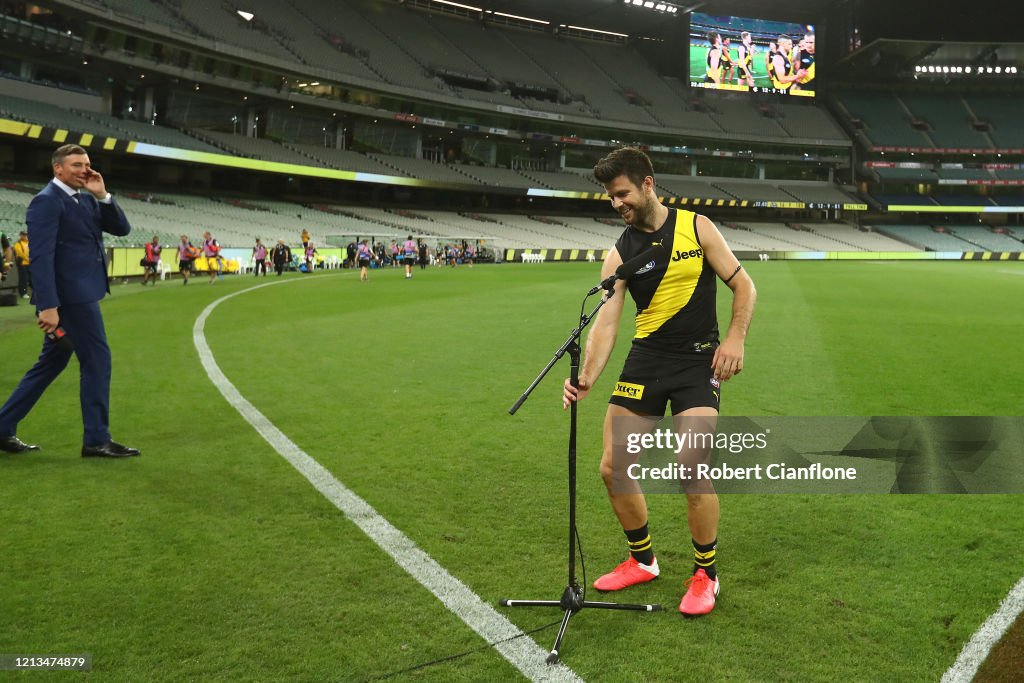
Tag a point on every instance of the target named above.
point(641, 214)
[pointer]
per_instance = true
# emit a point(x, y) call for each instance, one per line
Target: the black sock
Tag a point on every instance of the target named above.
point(639, 542)
point(704, 558)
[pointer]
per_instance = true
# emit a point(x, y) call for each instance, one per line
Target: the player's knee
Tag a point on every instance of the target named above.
point(607, 469)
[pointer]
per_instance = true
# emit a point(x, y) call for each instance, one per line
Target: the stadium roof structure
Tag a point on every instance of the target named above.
point(897, 58)
point(617, 15)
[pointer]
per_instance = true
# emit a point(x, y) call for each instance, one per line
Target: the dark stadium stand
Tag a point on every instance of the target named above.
point(916, 175)
point(1003, 115)
point(985, 237)
point(948, 120)
point(949, 199)
point(581, 83)
point(885, 121)
point(926, 237)
point(909, 199)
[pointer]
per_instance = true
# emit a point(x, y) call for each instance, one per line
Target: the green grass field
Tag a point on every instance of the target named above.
point(211, 558)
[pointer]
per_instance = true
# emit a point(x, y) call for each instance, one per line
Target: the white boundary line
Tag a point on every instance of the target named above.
point(987, 635)
point(522, 652)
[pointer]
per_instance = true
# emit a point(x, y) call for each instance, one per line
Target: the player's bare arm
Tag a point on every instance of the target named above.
point(601, 339)
point(728, 358)
point(716, 60)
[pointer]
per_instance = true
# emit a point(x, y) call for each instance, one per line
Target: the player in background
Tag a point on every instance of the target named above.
point(773, 50)
point(211, 250)
point(805, 63)
point(781, 68)
point(409, 256)
point(363, 257)
point(713, 72)
point(745, 60)
point(727, 65)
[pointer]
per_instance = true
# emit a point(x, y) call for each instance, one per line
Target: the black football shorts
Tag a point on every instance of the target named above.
point(650, 381)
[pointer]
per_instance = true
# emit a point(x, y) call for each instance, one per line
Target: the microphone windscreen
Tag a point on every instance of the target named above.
point(629, 268)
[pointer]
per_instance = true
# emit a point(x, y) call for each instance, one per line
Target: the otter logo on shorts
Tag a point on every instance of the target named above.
point(628, 390)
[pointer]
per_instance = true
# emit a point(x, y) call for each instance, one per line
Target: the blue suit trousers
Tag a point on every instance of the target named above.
point(83, 323)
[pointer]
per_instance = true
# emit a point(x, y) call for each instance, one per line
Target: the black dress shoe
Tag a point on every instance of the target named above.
point(12, 444)
point(111, 449)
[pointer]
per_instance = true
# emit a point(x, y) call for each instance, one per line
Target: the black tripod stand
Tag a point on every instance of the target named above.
point(573, 597)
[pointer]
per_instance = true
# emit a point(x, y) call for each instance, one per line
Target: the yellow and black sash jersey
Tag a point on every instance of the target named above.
point(807, 64)
point(709, 71)
point(746, 58)
point(726, 58)
point(776, 83)
point(675, 294)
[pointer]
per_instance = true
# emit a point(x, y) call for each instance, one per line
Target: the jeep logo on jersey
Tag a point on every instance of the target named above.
point(693, 253)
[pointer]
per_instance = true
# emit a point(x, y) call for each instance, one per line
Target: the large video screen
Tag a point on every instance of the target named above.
point(751, 55)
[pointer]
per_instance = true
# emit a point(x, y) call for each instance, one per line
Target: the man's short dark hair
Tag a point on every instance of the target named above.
point(627, 161)
point(713, 37)
point(63, 151)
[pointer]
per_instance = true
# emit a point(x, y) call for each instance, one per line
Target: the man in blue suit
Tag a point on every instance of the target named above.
point(65, 225)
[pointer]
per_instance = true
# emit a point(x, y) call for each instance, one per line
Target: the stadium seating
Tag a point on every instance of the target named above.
point(254, 148)
point(741, 238)
point(232, 28)
point(948, 118)
point(634, 78)
point(690, 187)
point(801, 120)
point(569, 66)
point(574, 182)
point(787, 237)
point(858, 238)
point(964, 173)
point(1003, 115)
point(904, 199)
point(341, 159)
point(982, 237)
point(909, 175)
point(816, 192)
point(237, 223)
point(53, 116)
point(498, 177)
point(952, 199)
point(98, 124)
point(887, 122)
point(925, 237)
point(150, 12)
point(755, 191)
point(308, 41)
point(493, 51)
point(737, 116)
point(423, 169)
point(385, 57)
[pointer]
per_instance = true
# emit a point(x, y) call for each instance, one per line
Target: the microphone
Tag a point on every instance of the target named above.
point(629, 268)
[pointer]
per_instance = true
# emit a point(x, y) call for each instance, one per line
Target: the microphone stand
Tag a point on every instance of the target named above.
point(573, 596)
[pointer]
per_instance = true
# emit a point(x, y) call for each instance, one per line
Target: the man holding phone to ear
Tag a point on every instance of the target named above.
point(66, 222)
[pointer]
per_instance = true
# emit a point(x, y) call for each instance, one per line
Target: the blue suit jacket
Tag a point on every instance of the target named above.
point(66, 238)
